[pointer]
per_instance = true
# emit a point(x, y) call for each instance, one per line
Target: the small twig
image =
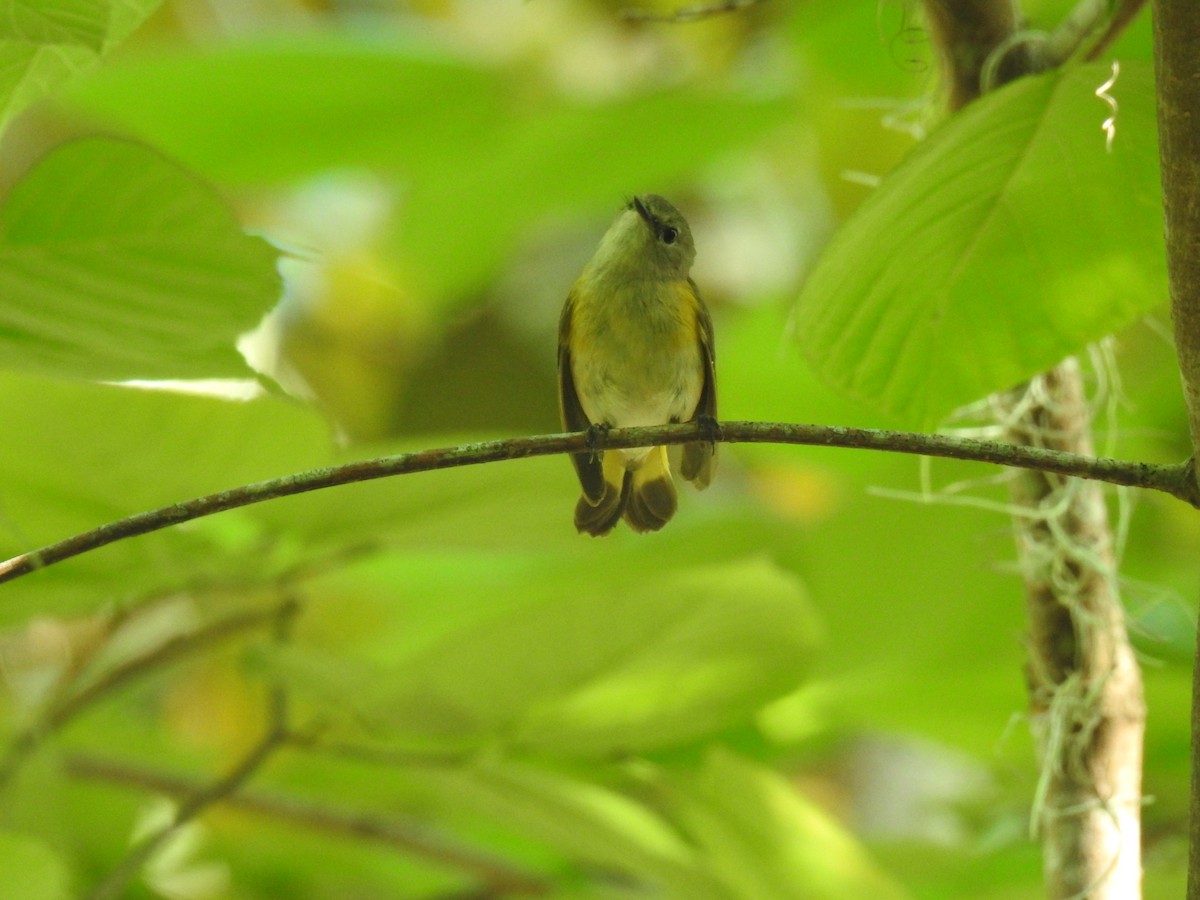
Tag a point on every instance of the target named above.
point(1079, 26)
point(170, 650)
point(689, 13)
point(274, 737)
point(201, 797)
point(1125, 13)
point(1072, 33)
point(1175, 480)
point(403, 835)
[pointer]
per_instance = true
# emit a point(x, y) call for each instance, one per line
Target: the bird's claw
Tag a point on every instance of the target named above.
point(596, 434)
point(710, 427)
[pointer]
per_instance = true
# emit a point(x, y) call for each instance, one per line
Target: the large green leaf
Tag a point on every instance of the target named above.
point(1008, 239)
point(77, 455)
point(115, 263)
point(581, 657)
point(43, 43)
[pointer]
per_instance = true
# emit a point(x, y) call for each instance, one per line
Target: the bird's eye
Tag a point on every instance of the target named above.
point(668, 235)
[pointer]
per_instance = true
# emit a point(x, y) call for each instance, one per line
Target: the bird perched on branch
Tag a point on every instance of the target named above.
point(635, 347)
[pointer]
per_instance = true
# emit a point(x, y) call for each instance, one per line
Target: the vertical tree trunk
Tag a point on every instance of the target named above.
point(1087, 712)
point(1177, 69)
point(1085, 688)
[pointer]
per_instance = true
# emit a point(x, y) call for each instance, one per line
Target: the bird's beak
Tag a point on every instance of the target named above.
point(644, 213)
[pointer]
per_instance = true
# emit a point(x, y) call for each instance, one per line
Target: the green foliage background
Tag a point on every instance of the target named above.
point(800, 688)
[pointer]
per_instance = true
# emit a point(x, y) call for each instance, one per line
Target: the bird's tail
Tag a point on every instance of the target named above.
point(599, 519)
point(644, 495)
point(651, 500)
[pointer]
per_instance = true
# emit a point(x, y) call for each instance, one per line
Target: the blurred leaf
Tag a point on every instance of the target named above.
point(564, 155)
point(43, 43)
point(78, 455)
point(762, 838)
point(592, 825)
point(306, 104)
point(576, 658)
point(31, 870)
point(724, 641)
point(1007, 240)
point(59, 21)
point(459, 134)
point(115, 264)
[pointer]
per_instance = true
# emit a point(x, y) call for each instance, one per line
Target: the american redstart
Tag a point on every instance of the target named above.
point(635, 347)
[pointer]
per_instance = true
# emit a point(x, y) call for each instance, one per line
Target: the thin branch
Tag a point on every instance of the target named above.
point(202, 797)
point(1176, 480)
point(1122, 16)
point(172, 649)
point(689, 13)
point(1072, 32)
point(1080, 25)
point(402, 835)
point(975, 41)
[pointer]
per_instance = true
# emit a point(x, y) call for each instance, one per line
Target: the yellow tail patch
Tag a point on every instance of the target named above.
point(652, 501)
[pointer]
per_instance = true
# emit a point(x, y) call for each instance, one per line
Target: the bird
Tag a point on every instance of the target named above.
point(635, 347)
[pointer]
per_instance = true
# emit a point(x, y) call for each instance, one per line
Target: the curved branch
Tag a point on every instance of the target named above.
point(276, 736)
point(114, 884)
point(1176, 480)
point(407, 836)
point(173, 648)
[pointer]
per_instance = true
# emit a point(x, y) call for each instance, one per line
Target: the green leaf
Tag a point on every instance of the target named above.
point(59, 21)
point(583, 657)
point(43, 43)
point(587, 822)
point(679, 658)
point(1009, 239)
point(450, 131)
point(31, 870)
point(77, 455)
point(117, 264)
point(306, 104)
point(763, 838)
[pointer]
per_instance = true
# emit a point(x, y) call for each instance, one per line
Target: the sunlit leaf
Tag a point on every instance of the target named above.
point(116, 264)
point(1008, 239)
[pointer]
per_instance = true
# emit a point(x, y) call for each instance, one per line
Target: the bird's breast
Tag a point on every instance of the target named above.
point(636, 354)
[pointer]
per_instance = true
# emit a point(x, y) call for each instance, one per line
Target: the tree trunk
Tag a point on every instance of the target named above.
point(1087, 710)
point(1086, 706)
point(1177, 69)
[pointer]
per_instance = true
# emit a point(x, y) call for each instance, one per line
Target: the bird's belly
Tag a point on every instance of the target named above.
point(636, 358)
point(627, 390)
